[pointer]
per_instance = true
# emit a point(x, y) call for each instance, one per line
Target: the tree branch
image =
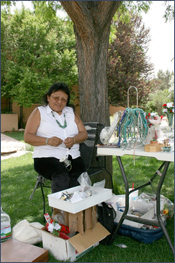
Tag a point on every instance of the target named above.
point(85, 14)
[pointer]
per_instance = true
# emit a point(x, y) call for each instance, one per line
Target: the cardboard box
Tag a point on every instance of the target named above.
point(99, 195)
point(153, 147)
point(81, 217)
point(76, 246)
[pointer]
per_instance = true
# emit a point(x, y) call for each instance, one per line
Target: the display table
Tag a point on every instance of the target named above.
point(166, 158)
point(111, 150)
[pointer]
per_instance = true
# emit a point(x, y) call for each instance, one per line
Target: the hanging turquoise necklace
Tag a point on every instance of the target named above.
point(59, 124)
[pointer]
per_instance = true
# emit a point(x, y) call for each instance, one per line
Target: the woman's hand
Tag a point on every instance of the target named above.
point(69, 142)
point(54, 141)
point(78, 138)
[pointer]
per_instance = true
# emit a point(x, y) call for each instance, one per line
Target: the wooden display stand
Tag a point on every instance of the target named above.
point(82, 220)
point(153, 147)
point(16, 251)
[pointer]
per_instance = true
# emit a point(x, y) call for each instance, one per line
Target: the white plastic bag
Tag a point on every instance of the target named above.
point(166, 206)
point(85, 182)
point(100, 184)
point(27, 232)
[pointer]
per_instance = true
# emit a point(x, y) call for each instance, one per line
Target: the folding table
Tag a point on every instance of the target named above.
point(166, 158)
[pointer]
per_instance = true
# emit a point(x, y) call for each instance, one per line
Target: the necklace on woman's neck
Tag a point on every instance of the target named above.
point(59, 124)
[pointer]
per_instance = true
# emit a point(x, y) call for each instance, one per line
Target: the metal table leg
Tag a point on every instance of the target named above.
point(126, 200)
point(162, 177)
point(157, 222)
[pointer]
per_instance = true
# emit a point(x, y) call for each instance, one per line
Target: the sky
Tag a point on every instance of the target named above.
point(161, 46)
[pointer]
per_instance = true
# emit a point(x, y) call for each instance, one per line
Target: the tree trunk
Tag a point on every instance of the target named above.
point(21, 124)
point(92, 21)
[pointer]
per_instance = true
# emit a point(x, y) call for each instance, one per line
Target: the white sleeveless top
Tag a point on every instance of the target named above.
point(48, 128)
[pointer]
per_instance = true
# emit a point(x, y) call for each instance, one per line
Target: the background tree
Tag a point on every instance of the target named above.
point(5, 42)
point(164, 79)
point(35, 53)
point(163, 92)
point(128, 64)
point(169, 11)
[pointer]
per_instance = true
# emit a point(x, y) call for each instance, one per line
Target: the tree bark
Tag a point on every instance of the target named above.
point(92, 21)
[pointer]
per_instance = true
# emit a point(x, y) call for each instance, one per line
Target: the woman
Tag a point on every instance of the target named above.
point(56, 131)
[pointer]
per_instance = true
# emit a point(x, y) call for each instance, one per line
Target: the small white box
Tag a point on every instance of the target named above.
point(99, 195)
point(76, 246)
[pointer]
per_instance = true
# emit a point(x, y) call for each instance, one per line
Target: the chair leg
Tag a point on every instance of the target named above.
point(110, 177)
point(43, 200)
point(108, 173)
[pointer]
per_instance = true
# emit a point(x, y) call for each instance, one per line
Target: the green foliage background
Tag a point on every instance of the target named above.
point(36, 52)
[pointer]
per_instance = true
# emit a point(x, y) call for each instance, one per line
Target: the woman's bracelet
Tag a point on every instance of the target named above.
point(46, 141)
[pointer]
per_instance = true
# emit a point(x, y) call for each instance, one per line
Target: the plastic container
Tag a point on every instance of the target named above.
point(143, 235)
point(133, 195)
point(6, 232)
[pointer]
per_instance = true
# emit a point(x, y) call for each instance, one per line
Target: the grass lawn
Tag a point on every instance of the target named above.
point(16, 135)
point(18, 179)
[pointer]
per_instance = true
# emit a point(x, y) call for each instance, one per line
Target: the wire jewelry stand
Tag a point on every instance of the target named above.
point(128, 96)
point(132, 127)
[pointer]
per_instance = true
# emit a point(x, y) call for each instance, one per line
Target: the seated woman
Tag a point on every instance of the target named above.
point(56, 131)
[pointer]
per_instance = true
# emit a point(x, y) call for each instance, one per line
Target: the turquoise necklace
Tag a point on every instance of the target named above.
point(59, 124)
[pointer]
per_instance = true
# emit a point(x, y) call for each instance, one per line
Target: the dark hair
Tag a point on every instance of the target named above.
point(56, 87)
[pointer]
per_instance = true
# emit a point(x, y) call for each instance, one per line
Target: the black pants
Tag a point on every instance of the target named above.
point(61, 178)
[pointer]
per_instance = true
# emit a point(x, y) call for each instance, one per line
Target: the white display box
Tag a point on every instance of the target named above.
point(118, 203)
point(147, 215)
point(76, 246)
point(99, 195)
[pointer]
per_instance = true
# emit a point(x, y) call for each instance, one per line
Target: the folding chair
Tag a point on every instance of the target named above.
point(94, 164)
point(41, 182)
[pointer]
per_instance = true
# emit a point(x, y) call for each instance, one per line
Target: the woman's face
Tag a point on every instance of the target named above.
point(57, 101)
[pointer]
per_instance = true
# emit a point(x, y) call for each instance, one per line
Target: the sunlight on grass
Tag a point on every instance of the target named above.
point(20, 137)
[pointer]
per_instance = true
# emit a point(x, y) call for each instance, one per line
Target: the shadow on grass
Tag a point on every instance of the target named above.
point(18, 179)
